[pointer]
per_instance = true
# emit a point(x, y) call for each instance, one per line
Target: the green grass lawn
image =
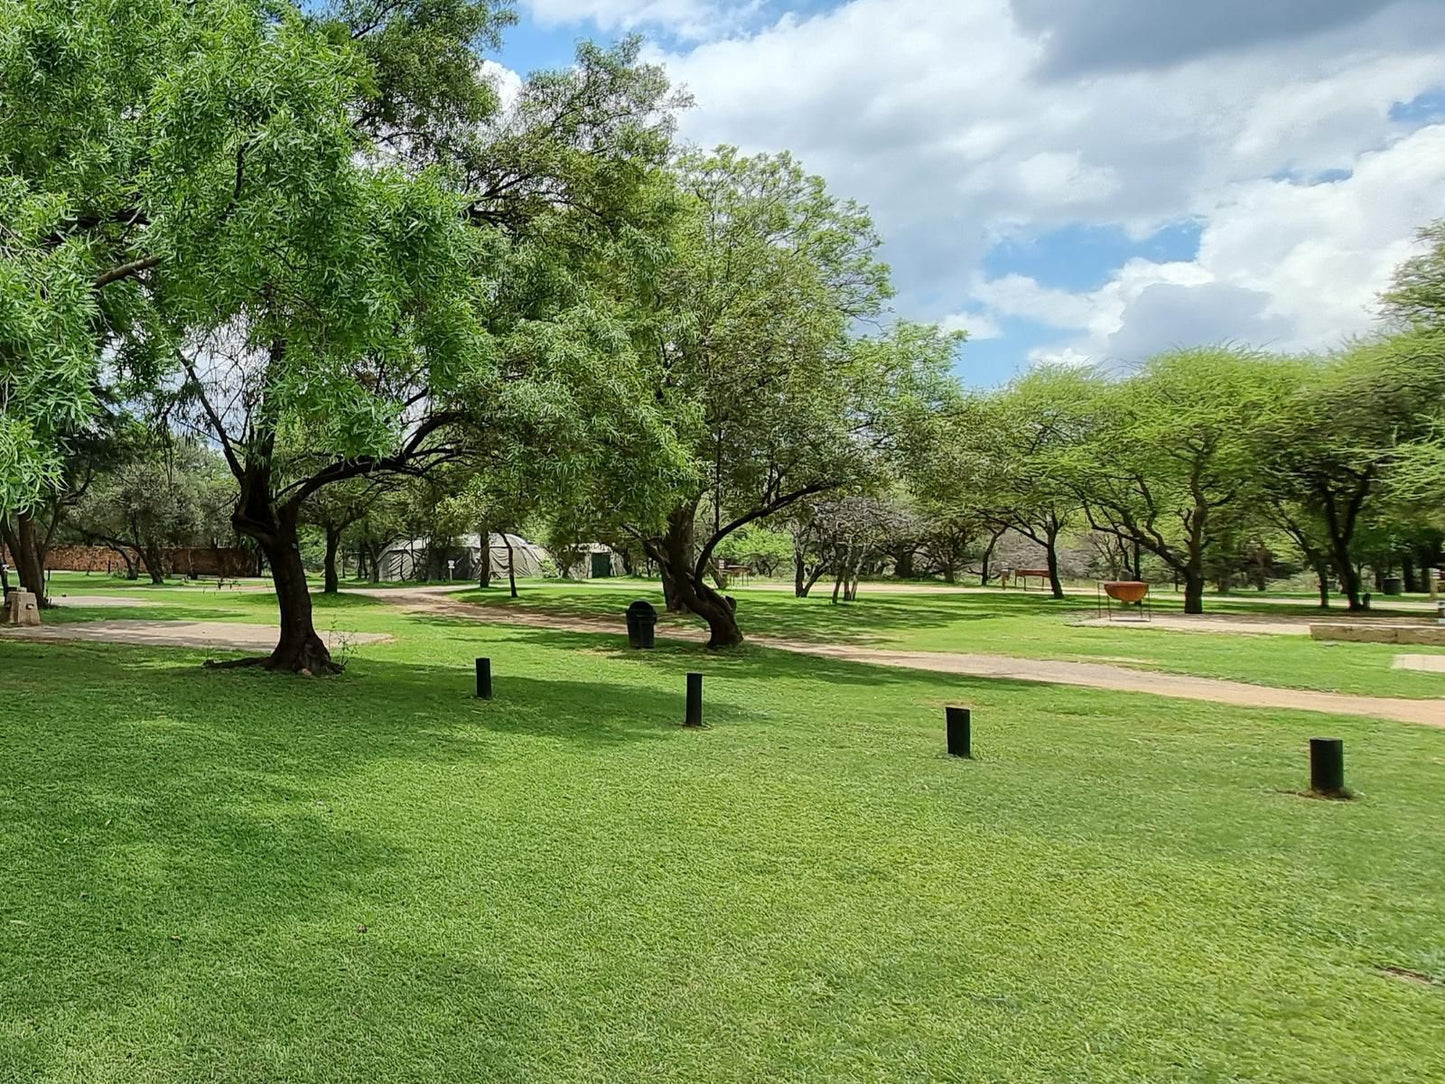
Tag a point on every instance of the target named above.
point(1028, 625)
point(230, 875)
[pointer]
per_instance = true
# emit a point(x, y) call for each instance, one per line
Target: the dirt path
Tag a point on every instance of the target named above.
point(1091, 675)
point(218, 635)
point(1236, 623)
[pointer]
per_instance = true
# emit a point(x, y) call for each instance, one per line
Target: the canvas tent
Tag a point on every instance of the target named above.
point(594, 561)
point(412, 559)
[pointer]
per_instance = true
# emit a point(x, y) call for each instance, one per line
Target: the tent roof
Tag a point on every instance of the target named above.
point(469, 541)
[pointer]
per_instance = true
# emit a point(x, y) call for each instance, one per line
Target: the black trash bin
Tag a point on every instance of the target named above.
point(641, 620)
point(1394, 585)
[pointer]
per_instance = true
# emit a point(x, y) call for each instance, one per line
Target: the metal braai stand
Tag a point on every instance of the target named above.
point(1130, 595)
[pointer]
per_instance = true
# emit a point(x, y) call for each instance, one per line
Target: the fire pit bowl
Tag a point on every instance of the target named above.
point(1126, 590)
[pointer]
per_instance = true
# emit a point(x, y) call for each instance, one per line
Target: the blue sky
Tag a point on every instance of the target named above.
point(1080, 182)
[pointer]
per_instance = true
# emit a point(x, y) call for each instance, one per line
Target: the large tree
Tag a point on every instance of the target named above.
point(750, 337)
point(1169, 447)
point(157, 493)
point(1017, 441)
point(1328, 448)
point(77, 83)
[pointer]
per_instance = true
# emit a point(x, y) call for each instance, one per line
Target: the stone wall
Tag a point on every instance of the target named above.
point(204, 561)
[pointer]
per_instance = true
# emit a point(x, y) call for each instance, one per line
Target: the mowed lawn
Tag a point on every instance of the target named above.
point(236, 876)
point(1030, 625)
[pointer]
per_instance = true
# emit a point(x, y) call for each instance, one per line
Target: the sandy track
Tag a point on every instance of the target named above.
point(218, 635)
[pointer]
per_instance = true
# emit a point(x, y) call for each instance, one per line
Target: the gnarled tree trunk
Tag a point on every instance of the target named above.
point(154, 562)
point(274, 529)
point(675, 554)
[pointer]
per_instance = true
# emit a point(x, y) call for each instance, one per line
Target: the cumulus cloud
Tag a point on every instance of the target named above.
point(1282, 263)
point(934, 114)
point(976, 325)
point(506, 82)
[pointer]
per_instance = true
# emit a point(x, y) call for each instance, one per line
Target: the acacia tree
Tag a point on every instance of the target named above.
point(1169, 447)
point(377, 328)
point(157, 494)
point(1018, 440)
point(1329, 448)
point(335, 509)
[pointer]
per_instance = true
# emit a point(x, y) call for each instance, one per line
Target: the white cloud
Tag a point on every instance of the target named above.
point(1282, 264)
point(508, 84)
point(978, 325)
point(934, 115)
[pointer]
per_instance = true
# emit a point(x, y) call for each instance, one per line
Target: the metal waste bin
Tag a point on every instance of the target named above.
point(1393, 585)
point(641, 621)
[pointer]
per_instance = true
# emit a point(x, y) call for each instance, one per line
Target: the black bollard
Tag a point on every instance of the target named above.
point(484, 679)
point(1327, 767)
point(694, 700)
point(960, 732)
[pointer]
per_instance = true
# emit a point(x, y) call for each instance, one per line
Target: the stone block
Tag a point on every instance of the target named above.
point(22, 609)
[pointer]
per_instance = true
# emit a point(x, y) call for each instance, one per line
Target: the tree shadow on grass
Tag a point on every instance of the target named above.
point(814, 619)
point(755, 662)
point(187, 871)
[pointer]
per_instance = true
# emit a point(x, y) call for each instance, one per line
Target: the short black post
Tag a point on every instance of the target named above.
point(484, 679)
point(1327, 767)
point(694, 700)
point(960, 736)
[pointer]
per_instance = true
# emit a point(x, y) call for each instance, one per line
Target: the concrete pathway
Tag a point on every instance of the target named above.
point(218, 635)
point(1092, 675)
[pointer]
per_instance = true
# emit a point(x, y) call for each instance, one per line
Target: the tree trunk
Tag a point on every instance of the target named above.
point(1322, 573)
point(1193, 590)
point(131, 572)
point(1346, 570)
point(484, 559)
point(671, 596)
point(813, 578)
point(677, 557)
point(988, 558)
point(299, 647)
point(903, 563)
point(332, 583)
point(23, 540)
point(511, 564)
point(1051, 552)
point(800, 574)
point(154, 562)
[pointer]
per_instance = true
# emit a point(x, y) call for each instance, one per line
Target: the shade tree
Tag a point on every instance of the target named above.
point(1328, 448)
point(1166, 450)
